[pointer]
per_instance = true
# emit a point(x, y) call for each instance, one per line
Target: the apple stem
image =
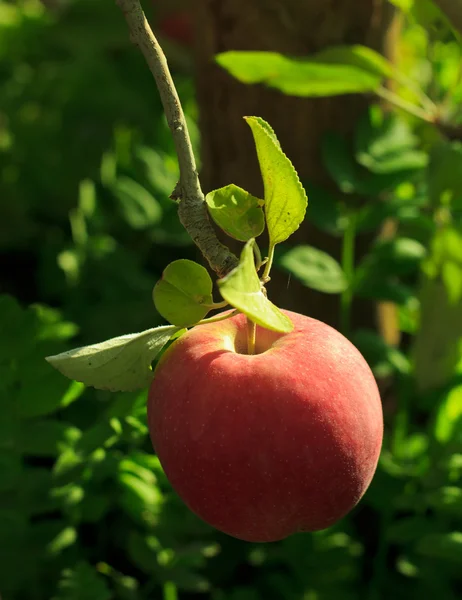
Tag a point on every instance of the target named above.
point(216, 305)
point(269, 263)
point(251, 336)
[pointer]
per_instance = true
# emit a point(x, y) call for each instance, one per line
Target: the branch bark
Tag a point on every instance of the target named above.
point(192, 210)
point(453, 10)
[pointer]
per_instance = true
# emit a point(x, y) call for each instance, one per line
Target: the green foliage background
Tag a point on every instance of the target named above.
point(86, 228)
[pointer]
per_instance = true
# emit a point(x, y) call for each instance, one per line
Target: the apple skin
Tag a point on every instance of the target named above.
point(266, 445)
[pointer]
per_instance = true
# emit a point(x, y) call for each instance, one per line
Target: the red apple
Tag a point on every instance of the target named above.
point(262, 446)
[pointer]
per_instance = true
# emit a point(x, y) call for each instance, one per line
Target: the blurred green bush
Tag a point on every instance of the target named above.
point(86, 227)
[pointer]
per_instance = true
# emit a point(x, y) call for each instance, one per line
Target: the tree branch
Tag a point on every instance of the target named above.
point(192, 210)
point(453, 10)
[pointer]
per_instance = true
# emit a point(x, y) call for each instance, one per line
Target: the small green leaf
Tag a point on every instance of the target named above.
point(237, 212)
point(285, 198)
point(243, 290)
point(315, 269)
point(184, 294)
point(304, 77)
point(119, 364)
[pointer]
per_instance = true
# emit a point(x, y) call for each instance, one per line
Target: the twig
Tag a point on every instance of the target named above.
point(191, 208)
point(409, 107)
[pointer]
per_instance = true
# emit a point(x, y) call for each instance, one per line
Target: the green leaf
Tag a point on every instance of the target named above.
point(237, 212)
point(82, 582)
point(139, 207)
point(315, 269)
point(184, 294)
point(243, 290)
point(449, 416)
point(362, 57)
point(119, 364)
point(285, 198)
point(305, 77)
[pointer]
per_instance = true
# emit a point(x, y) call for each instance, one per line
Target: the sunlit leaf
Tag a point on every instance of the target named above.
point(237, 212)
point(184, 293)
point(305, 77)
point(285, 198)
point(243, 290)
point(119, 364)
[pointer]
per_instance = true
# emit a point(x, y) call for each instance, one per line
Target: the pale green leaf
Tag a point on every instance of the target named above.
point(315, 269)
point(237, 212)
point(184, 294)
point(303, 77)
point(119, 364)
point(285, 198)
point(243, 290)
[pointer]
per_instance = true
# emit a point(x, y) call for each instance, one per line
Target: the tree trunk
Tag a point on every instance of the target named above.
point(296, 27)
